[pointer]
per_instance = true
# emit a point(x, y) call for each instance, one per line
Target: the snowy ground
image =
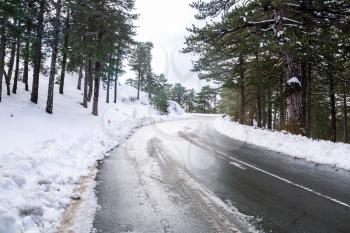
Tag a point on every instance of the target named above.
point(43, 156)
point(317, 151)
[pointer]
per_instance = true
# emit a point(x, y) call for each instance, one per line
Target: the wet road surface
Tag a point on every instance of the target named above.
point(186, 177)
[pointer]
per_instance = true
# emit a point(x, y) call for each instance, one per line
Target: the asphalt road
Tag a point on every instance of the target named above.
point(186, 177)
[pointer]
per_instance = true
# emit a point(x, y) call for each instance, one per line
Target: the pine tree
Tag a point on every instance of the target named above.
point(37, 46)
point(92, 30)
point(161, 93)
point(29, 12)
point(56, 35)
point(282, 49)
point(140, 63)
point(65, 51)
point(178, 93)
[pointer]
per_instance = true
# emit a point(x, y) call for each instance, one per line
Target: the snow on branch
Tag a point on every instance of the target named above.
point(291, 20)
point(263, 22)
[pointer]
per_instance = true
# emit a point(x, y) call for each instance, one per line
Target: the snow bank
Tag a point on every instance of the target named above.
point(322, 152)
point(174, 109)
point(43, 156)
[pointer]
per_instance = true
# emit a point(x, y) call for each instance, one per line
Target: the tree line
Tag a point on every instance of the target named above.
point(283, 65)
point(89, 37)
point(160, 91)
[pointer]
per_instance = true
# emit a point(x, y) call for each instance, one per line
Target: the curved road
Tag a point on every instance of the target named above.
point(185, 177)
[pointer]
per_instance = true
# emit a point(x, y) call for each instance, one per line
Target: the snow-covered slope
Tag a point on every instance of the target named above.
point(43, 156)
point(317, 151)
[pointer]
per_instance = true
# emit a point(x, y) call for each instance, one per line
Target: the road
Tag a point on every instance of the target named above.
point(185, 177)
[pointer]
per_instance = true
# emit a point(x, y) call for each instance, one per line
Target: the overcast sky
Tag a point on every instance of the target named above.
point(164, 23)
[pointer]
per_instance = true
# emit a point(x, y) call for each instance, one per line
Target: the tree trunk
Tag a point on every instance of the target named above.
point(27, 51)
point(306, 74)
point(115, 89)
point(2, 51)
point(307, 79)
point(282, 104)
point(90, 80)
point(269, 110)
point(65, 53)
point(258, 97)
point(149, 76)
point(294, 93)
point(116, 78)
point(10, 68)
point(275, 113)
point(56, 37)
point(259, 113)
point(263, 105)
point(138, 85)
point(18, 54)
point(37, 51)
point(86, 83)
point(97, 80)
point(109, 79)
point(80, 77)
point(242, 116)
point(108, 88)
point(345, 113)
point(149, 87)
point(96, 88)
point(333, 108)
point(307, 99)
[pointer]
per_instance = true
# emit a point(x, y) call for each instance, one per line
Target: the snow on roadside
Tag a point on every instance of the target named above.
point(174, 109)
point(43, 156)
point(317, 151)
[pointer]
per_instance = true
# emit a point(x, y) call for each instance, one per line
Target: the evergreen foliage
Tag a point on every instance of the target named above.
point(281, 64)
point(91, 37)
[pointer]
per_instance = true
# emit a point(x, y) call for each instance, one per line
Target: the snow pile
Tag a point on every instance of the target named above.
point(174, 109)
point(322, 152)
point(43, 156)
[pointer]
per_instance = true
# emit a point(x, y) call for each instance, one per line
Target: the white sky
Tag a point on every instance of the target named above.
point(164, 22)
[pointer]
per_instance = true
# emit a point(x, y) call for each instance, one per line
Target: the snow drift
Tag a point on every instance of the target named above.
point(43, 156)
point(174, 109)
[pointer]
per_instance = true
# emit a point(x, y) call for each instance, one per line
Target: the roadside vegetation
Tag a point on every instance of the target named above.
point(283, 65)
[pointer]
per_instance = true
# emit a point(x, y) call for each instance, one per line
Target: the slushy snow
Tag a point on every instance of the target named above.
point(317, 151)
point(43, 156)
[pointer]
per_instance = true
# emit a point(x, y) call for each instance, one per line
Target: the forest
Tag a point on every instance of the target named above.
point(88, 37)
point(160, 91)
point(279, 65)
point(283, 65)
point(94, 39)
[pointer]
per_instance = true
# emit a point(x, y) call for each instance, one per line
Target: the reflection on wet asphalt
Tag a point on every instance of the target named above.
point(186, 177)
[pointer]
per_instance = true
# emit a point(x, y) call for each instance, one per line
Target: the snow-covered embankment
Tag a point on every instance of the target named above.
point(317, 151)
point(43, 157)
